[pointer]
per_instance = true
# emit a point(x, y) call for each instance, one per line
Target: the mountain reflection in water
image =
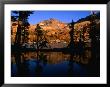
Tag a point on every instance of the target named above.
point(55, 64)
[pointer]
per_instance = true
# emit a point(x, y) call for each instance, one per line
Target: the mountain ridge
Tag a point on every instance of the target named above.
point(58, 31)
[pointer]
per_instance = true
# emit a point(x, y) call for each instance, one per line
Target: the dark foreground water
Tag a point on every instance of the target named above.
point(55, 64)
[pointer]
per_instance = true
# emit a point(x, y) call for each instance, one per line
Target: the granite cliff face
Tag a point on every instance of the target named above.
point(55, 30)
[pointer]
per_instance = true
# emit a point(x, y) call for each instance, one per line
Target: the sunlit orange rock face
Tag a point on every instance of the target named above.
point(56, 31)
point(84, 28)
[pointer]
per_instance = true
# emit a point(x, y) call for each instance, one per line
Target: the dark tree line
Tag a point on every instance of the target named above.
point(21, 17)
point(94, 35)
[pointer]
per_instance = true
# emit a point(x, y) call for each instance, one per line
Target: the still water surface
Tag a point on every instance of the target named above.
point(54, 64)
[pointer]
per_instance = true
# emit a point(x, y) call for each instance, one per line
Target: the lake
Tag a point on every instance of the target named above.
point(55, 64)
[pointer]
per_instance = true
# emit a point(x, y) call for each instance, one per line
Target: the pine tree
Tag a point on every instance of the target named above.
point(71, 44)
point(39, 34)
point(93, 30)
point(41, 37)
point(22, 30)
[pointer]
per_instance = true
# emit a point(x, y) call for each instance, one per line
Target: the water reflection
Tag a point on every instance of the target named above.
point(31, 64)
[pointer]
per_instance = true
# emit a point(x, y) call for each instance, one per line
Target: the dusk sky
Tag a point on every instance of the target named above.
point(64, 16)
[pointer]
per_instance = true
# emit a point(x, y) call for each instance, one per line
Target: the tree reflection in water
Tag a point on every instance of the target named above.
point(70, 64)
point(34, 63)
